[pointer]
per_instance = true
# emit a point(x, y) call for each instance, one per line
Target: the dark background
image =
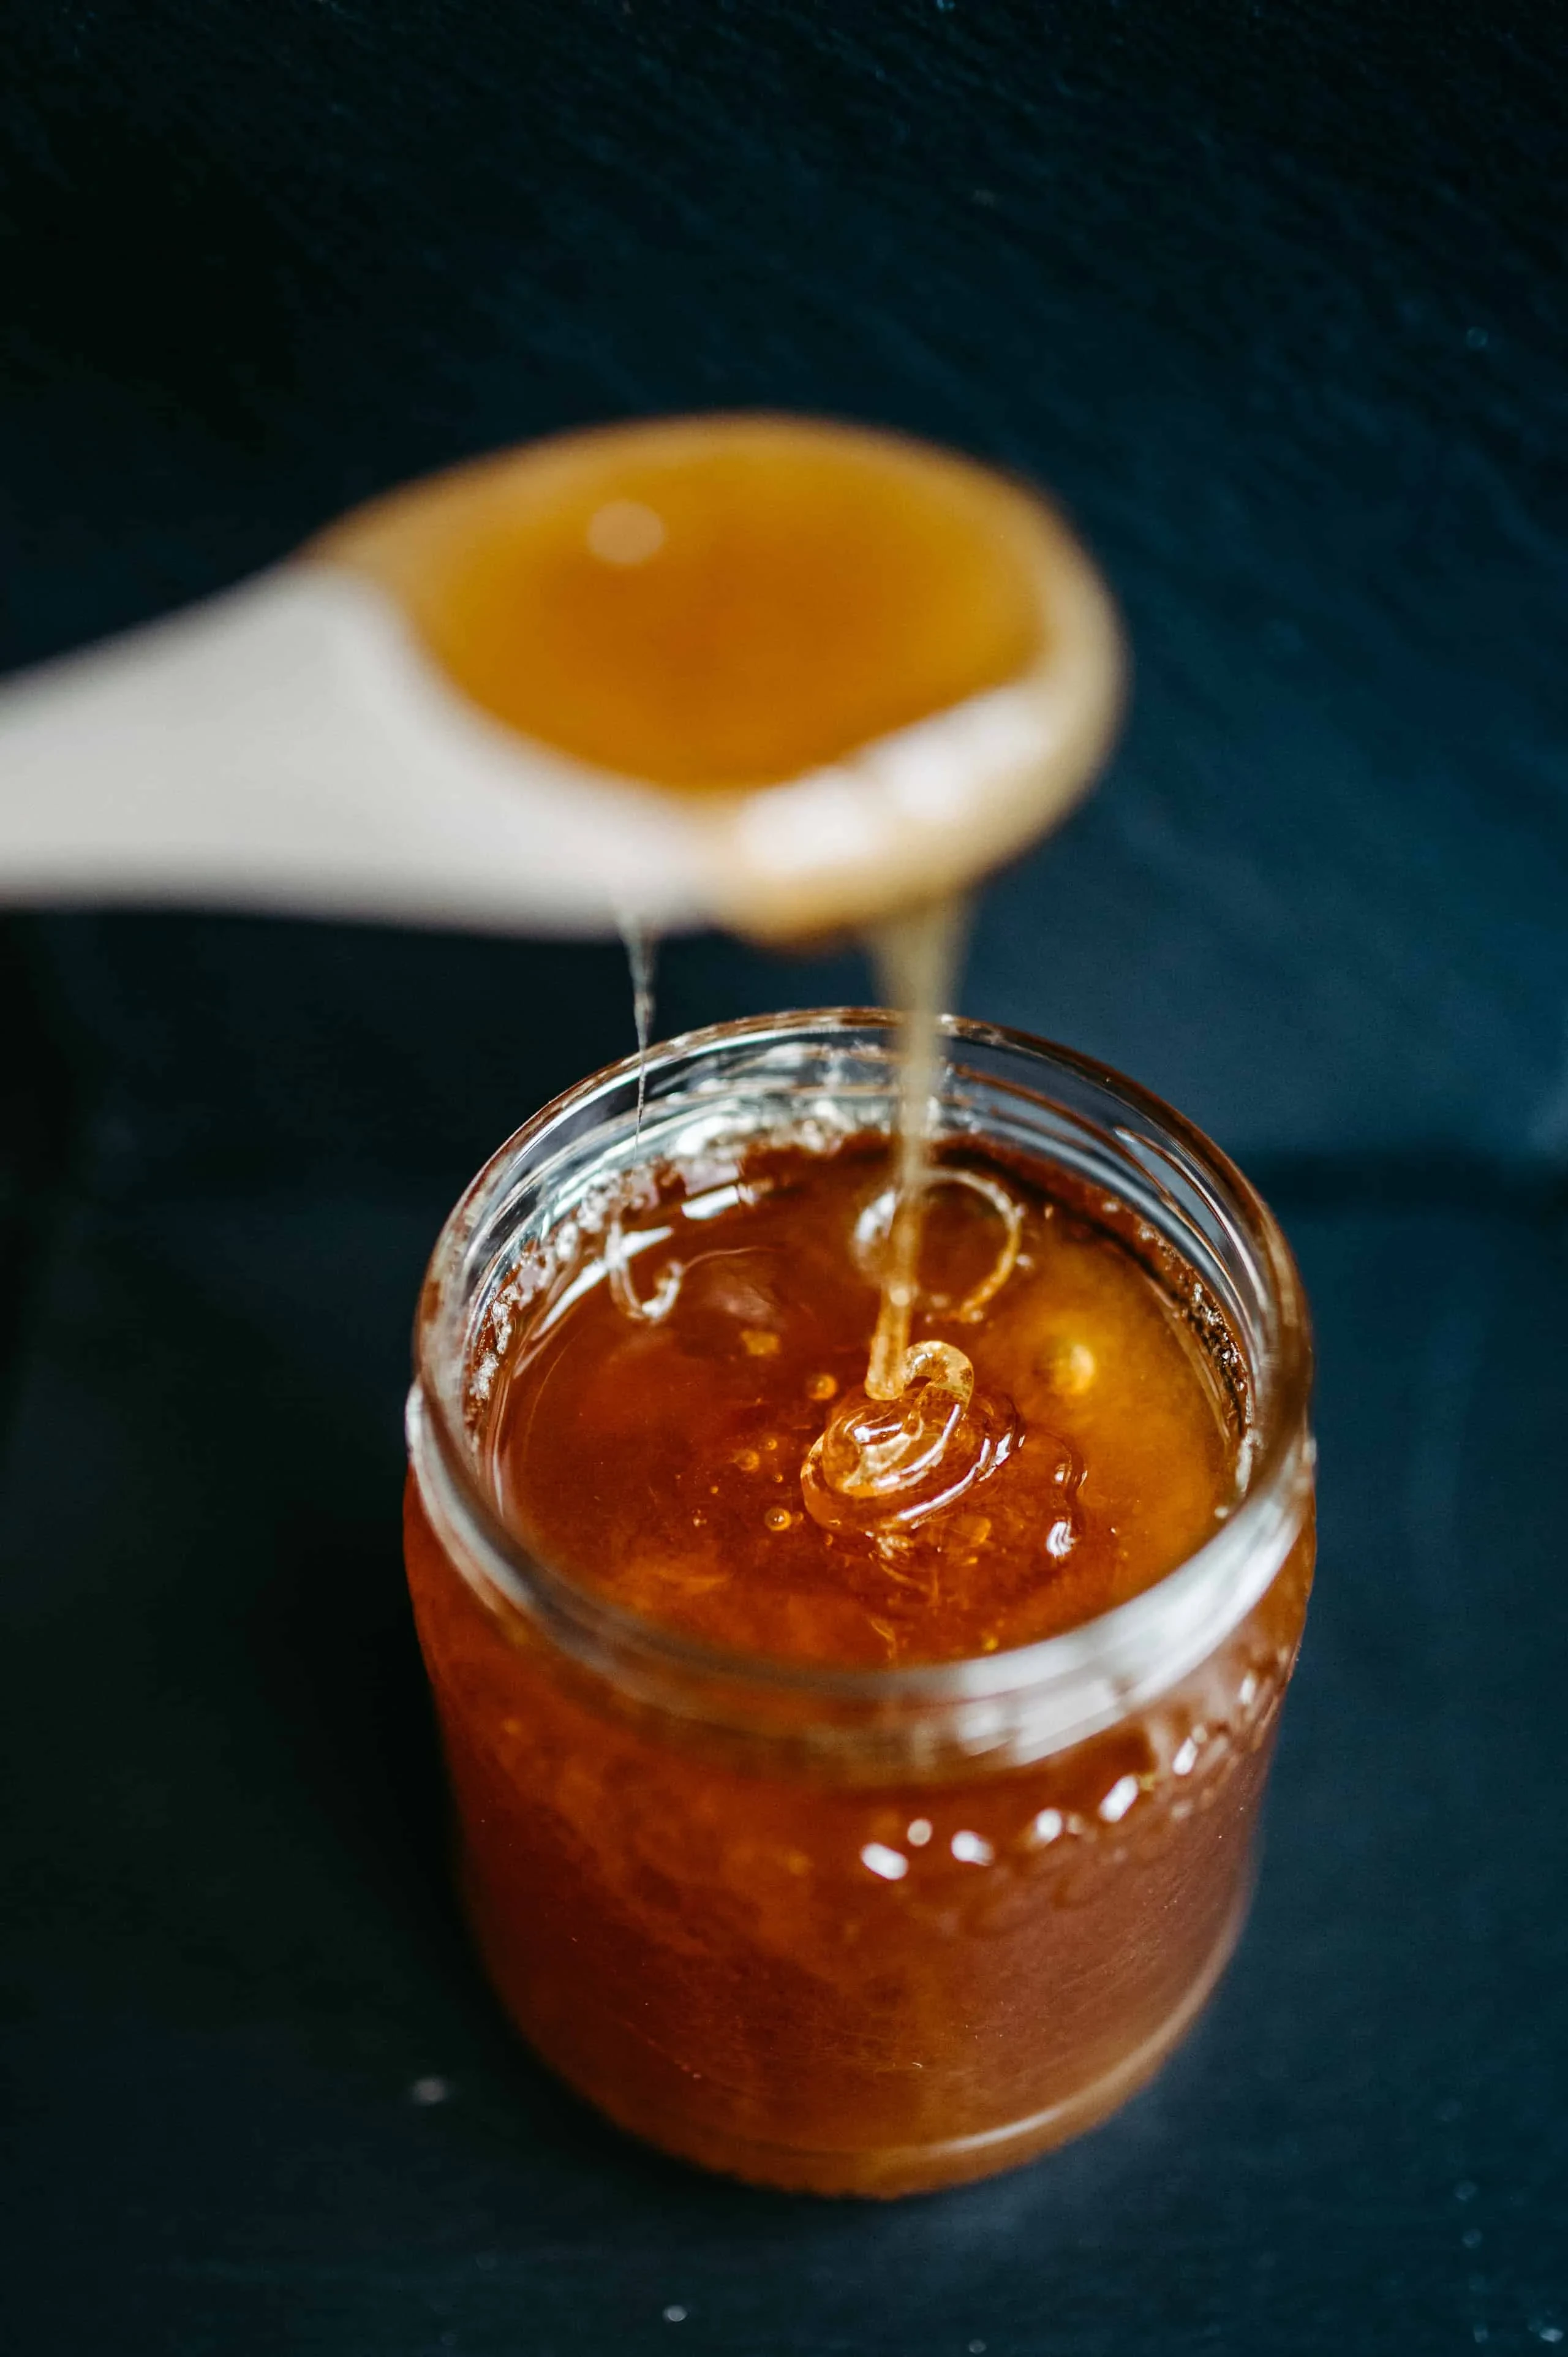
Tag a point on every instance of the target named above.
point(1274, 296)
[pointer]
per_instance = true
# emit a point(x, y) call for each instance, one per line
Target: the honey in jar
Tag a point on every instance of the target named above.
point(674, 1463)
point(856, 1845)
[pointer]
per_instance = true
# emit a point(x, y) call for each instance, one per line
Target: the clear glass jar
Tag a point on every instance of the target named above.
point(865, 1932)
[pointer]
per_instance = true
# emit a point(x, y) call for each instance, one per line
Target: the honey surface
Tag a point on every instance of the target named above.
point(718, 607)
point(659, 1462)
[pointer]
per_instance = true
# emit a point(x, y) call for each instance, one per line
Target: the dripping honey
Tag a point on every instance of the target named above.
point(730, 607)
point(659, 1462)
point(803, 1966)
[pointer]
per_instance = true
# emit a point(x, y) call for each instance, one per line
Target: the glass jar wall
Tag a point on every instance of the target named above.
point(855, 1930)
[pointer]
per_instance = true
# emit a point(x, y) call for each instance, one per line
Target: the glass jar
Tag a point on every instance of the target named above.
point(866, 1931)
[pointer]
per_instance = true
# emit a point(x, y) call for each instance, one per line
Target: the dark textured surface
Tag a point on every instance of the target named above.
point(1274, 297)
point(232, 1952)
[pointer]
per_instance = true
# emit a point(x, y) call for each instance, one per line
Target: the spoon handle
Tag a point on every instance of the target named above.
point(285, 746)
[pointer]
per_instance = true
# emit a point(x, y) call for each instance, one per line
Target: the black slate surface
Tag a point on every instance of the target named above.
point(233, 1960)
point(1274, 294)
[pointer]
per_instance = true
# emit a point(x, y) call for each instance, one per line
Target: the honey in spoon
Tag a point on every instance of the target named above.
point(880, 668)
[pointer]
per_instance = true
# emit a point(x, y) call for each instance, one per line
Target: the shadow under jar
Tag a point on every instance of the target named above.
point(856, 1931)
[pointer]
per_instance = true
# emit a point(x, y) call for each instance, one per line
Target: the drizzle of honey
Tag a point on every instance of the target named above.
point(716, 605)
point(659, 1462)
point(821, 1411)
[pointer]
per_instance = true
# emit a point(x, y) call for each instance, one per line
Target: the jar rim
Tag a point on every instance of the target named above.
point(1097, 1671)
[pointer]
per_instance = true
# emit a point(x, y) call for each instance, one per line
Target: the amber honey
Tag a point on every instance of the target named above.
point(859, 671)
point(811, 1859)
point(710, 607)
point(854, 1612)
point(661, 1462)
